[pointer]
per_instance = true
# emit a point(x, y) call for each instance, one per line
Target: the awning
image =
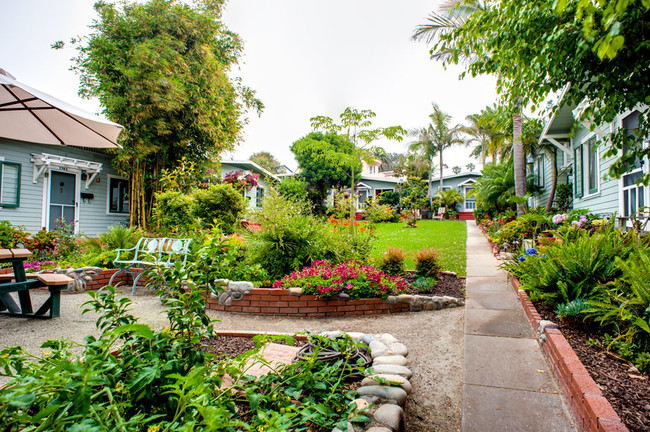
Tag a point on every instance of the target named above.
point(29, 115)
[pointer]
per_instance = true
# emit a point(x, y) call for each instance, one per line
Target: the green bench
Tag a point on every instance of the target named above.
point(150, 252)
point(20, 283)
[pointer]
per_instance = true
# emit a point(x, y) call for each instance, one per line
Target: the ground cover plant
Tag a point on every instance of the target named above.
point(131, 378)
point(449, 238)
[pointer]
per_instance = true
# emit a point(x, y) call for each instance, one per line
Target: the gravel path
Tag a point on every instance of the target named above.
point(434, 339)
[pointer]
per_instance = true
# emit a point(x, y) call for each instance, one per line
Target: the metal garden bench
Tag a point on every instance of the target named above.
point(150, 252)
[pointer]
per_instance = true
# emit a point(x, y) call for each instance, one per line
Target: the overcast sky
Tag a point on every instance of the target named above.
point(304, 58)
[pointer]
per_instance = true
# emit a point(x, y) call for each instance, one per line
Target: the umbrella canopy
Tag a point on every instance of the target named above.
point(27, 114)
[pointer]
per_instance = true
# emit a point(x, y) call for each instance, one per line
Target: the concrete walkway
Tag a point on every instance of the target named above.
point(507, 383)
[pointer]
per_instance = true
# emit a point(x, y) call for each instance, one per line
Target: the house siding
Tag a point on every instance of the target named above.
point(606, 200)
point(93, 217)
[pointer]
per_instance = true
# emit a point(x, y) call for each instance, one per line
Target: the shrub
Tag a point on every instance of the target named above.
point(392, 262)
point(358, 281)
point(427, 263)
point(340, 246)
point(220, 203)
point(378, 213)
point(174, 212)
point(11, 235)
point(290, 238)
point(423, 284)
point(293, 188)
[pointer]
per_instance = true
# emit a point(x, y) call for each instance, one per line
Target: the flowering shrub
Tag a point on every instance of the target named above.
point(377, 213)
point(359, 281)
point(35, 266)
point(240, 180)
point(10, 235)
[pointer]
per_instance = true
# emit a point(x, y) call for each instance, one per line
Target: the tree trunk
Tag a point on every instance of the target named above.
point(441, 168)
point(430, 186)
point(551, 196)
point(352, 206)
point(519, 158)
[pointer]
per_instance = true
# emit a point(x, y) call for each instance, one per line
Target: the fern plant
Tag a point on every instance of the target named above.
point(625, 307)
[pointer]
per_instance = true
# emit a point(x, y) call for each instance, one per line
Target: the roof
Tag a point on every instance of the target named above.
point(249, 165)
point(448, 177)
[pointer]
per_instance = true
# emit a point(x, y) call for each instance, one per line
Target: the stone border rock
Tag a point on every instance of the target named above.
point(383, 392)
point(592, 411)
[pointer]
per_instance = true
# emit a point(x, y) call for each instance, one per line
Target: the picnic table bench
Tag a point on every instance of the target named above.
point(20, 282)
point(151, 252)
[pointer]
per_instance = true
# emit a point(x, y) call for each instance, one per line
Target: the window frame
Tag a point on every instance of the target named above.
point(18, 183)
point(110, 178)
point(593, 158)
point(578, 178)
point(259, 197)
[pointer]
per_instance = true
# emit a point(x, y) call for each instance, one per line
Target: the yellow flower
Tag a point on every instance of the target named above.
point(153, 428)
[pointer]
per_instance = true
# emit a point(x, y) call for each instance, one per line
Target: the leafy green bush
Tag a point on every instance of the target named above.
point(292, 187)
point(392, 261)
point(290, 238)
point(220, 203)
point(174, 212)
point(378, 213)
point(327, 280)
point(427, 263)
point(510, 236)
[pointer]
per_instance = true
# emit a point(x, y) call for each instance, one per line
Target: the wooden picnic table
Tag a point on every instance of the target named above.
point(21, 283)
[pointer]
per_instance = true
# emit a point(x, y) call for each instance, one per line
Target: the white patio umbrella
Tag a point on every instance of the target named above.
point(27, 114)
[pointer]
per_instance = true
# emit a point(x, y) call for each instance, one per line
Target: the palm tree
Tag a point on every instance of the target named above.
point(488, 130)
point(453, 15)
point(432, 140)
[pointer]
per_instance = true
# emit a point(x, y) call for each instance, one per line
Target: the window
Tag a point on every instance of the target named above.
point(592, 161)
point(540, 171)
point(9, 184)
point(577, 172)
point(118, 195)
point(259, 196)
point(633, 195)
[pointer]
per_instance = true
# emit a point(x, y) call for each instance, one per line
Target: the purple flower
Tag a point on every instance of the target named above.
point(531, 251)
point(521, 259)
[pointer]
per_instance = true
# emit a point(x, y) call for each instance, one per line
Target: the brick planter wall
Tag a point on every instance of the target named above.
point(592, 411)
point(270, 301)
point(100, 280)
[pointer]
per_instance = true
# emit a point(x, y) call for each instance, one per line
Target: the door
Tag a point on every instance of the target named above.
point(63, 193)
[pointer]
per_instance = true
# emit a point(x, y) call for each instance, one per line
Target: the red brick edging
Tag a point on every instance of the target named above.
point(592, 411)
point(277, 301)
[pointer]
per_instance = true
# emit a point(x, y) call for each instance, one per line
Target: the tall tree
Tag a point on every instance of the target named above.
point(325, 161)
point(352, 127)
point(267, 161)
point(596, 53)
point(453, 16)
point(434, 139)
point(470, 167)
point(161, 69)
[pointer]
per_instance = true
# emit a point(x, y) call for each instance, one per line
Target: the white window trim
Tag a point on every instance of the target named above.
point(644, 169)
point(585, 163)
point(108, 195)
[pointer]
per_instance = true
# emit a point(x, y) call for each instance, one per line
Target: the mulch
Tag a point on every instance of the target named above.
point(232, 346)
point(624, 386)
point(447, 285)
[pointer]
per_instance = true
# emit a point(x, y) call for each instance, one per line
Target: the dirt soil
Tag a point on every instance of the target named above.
point(627, 389)
point(447, 285)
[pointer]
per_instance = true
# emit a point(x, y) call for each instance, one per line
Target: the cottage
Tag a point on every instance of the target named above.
point(55, 163)
point(581, 162)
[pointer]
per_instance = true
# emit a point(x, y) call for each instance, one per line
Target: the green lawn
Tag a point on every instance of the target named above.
point(449, 238)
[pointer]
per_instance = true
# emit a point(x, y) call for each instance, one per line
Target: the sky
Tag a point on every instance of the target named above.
point(303, 57)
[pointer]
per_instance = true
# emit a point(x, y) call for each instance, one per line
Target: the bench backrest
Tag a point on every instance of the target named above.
point(161, 248)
